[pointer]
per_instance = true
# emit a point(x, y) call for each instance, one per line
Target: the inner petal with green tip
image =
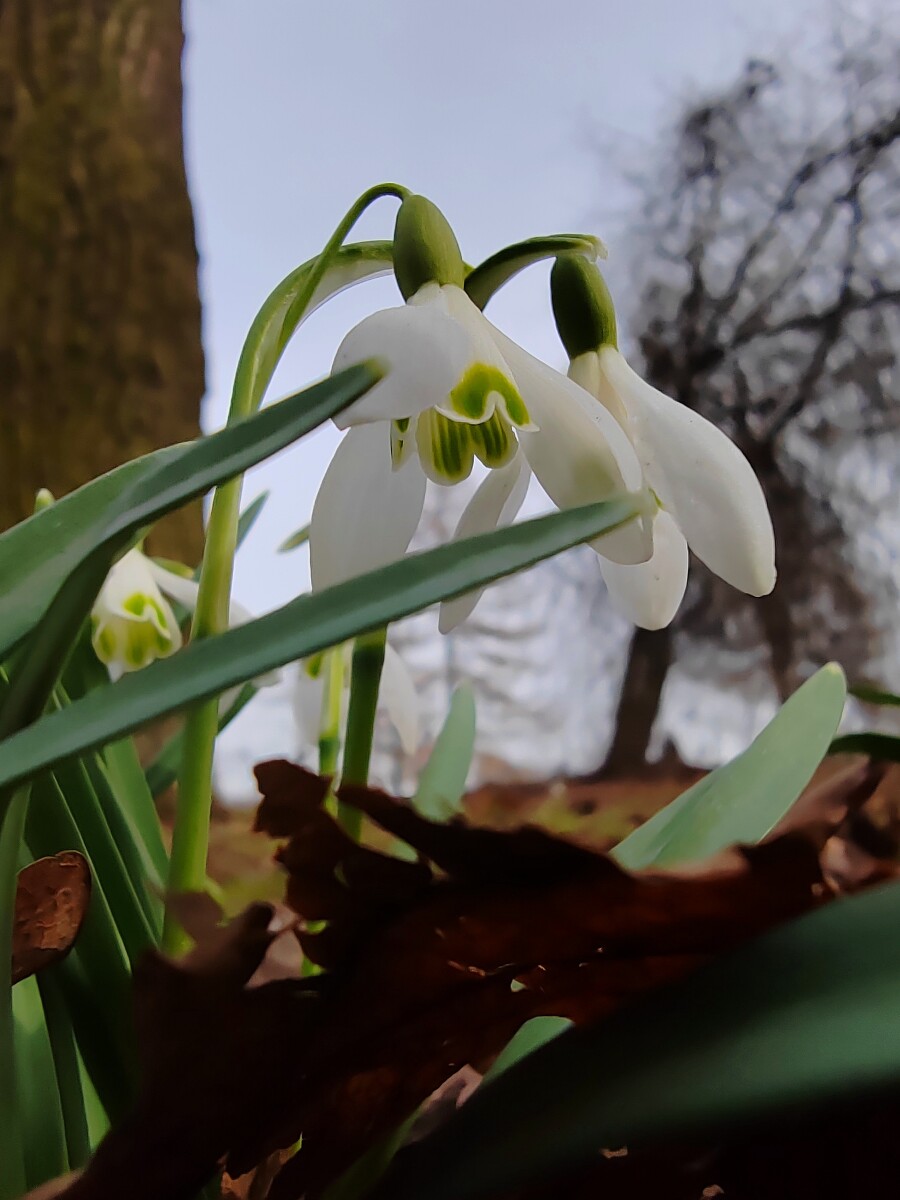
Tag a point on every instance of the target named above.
point(145, 608)
point(494, 441)
point(446, 448)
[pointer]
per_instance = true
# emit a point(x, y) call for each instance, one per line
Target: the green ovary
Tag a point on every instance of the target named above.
point(472, 396)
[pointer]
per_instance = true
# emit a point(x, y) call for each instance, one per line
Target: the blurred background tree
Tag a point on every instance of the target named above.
point(764, 273)
point(757, 272)
point(100, 351)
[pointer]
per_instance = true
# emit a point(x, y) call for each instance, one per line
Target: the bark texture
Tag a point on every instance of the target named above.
point(100, 350)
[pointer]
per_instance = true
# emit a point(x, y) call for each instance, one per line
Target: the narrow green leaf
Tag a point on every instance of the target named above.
point(741, 801)
point(297, 539)
point(67, 1068)
point(305, 626)
point(95, 977)
point(442, 782)
point(250, 516)
point(488, 277)
point(533, 1034)
point(12, 1175)
point(804, 1016)
point(884, 747)
point(123, 772)
point(872, 695)
point(40, 554)
point(44, 1138)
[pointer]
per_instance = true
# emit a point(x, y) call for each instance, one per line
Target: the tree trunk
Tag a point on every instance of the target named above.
point(649, 659)
point(100, 351)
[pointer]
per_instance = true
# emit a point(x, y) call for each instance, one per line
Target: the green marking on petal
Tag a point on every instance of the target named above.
point(494, 441)
point(313, 665)
point(476, 395)
point(136, 604)
point(402, 441)
point(104, 643)
point(446, 448)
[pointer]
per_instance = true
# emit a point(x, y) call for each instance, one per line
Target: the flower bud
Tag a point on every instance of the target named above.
point(425, 247)
point(582, 306)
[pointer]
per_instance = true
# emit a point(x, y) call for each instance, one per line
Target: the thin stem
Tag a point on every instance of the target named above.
point(330, 725)
point(190, 835)
point(12, 1172)
point(365, 678)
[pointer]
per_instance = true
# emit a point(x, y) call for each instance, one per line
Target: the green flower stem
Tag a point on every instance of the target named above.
point(330, 727)
point(190, 835)
point(12, 1161)
point(365, 678)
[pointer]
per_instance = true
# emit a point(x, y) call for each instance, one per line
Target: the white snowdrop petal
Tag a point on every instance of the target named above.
point(178, 587)
point(585, 371)
point(365, 512)
point(132, 622)
point(306, 702)
point(650, 593)
point(495, 504)
point(702, 478)
point(185, 591)
point(398, 695)
point(580, 454)
point(424, 351)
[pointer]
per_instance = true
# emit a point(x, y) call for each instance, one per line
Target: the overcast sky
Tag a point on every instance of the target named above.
point(495, 109)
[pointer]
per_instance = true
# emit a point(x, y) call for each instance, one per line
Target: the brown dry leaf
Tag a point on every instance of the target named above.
point(52, 896)
point(429, 966)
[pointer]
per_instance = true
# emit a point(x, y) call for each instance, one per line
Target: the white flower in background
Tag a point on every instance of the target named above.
point(457, 389)
point(710, 499)
point(397, 696)
point(132, 621)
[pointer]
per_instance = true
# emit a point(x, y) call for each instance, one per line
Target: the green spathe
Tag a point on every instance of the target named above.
point(425, 248)
point(582, 306)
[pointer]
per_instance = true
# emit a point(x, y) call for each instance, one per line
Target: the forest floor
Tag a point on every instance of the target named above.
point(598, 812)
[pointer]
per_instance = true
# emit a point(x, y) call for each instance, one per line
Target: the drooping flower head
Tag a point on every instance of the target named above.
point(456, 389)
point(132, 622)
point(709, 498)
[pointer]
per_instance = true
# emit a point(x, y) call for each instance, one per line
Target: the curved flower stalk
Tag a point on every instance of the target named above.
point(709, 498)
point(397, 695)
point(132, 621)
point(457, 389)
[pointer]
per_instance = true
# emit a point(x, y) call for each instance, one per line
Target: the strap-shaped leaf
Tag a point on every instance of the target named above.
point(39, 554)
point(742, 800)
point(303, 627)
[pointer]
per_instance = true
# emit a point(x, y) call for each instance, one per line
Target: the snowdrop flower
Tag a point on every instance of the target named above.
point(456, 390)
point(132, 621)
point(709, 497)
point(397, 695)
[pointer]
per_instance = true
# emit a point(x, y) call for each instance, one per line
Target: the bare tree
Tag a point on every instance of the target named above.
point(100, 353)
point(766, 288)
